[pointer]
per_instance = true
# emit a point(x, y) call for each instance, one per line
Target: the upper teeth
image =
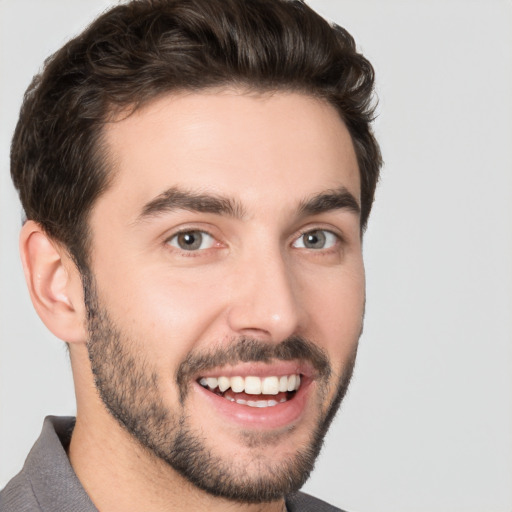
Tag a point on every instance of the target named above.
point(253, 385)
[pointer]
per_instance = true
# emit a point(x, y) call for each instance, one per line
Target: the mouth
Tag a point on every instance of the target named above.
point(261, 396)
point(252, 390)
point(256, 386)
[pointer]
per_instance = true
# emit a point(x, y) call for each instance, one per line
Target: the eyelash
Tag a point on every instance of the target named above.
point(338, 239)
point(186, 231)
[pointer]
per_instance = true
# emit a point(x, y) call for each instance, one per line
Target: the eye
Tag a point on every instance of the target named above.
point(316, 239)
point(192, 241)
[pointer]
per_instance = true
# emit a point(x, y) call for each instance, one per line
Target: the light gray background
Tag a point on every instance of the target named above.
point(427, 424)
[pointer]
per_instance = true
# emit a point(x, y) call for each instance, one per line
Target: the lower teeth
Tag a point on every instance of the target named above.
point(253, 403)
point(256, 403)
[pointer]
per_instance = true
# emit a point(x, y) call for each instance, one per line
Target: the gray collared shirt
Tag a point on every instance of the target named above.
point(47, 482)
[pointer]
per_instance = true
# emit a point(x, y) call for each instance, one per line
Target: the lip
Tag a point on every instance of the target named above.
point(277, 369)
point(254, 418)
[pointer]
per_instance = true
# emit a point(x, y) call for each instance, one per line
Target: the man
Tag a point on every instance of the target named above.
point(196, 177)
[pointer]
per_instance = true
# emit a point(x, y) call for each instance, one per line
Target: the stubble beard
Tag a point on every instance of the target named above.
point(129, 388)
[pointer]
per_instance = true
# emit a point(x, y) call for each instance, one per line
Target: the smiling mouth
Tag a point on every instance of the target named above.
point(254, 391)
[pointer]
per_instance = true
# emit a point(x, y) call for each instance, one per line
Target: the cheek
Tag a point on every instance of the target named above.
point(336, 312)
point(163, 312)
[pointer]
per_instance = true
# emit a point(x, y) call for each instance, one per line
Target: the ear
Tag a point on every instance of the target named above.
point(54, 284)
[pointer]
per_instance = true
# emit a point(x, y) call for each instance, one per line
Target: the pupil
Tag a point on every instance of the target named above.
point(190, 241)
point(314, 240)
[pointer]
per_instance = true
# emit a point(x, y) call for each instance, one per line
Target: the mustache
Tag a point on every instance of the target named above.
point(245, 350)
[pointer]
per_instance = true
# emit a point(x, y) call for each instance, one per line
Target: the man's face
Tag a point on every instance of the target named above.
point(228, 284)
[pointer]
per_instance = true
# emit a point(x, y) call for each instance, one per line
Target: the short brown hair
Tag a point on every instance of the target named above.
point(137, 51)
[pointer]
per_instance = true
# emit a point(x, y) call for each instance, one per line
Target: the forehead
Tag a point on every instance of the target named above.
point(281, 147)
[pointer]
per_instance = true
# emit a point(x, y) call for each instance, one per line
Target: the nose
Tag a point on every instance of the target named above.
point(265, 302)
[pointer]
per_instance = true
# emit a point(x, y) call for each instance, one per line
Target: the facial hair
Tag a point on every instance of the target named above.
point(129, 388)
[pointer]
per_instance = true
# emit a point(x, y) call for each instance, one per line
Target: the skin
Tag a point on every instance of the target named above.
point(254, 278)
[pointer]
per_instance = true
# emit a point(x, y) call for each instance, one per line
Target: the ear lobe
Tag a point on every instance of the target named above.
point(54, 284)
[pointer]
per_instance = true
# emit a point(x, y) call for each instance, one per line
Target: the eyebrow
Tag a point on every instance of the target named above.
point(176, 199)
point(337, 199)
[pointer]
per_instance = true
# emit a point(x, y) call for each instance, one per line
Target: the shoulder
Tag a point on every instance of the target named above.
point(18, 496)
point(21, 492)
point(47, 481)
point(301, 502)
